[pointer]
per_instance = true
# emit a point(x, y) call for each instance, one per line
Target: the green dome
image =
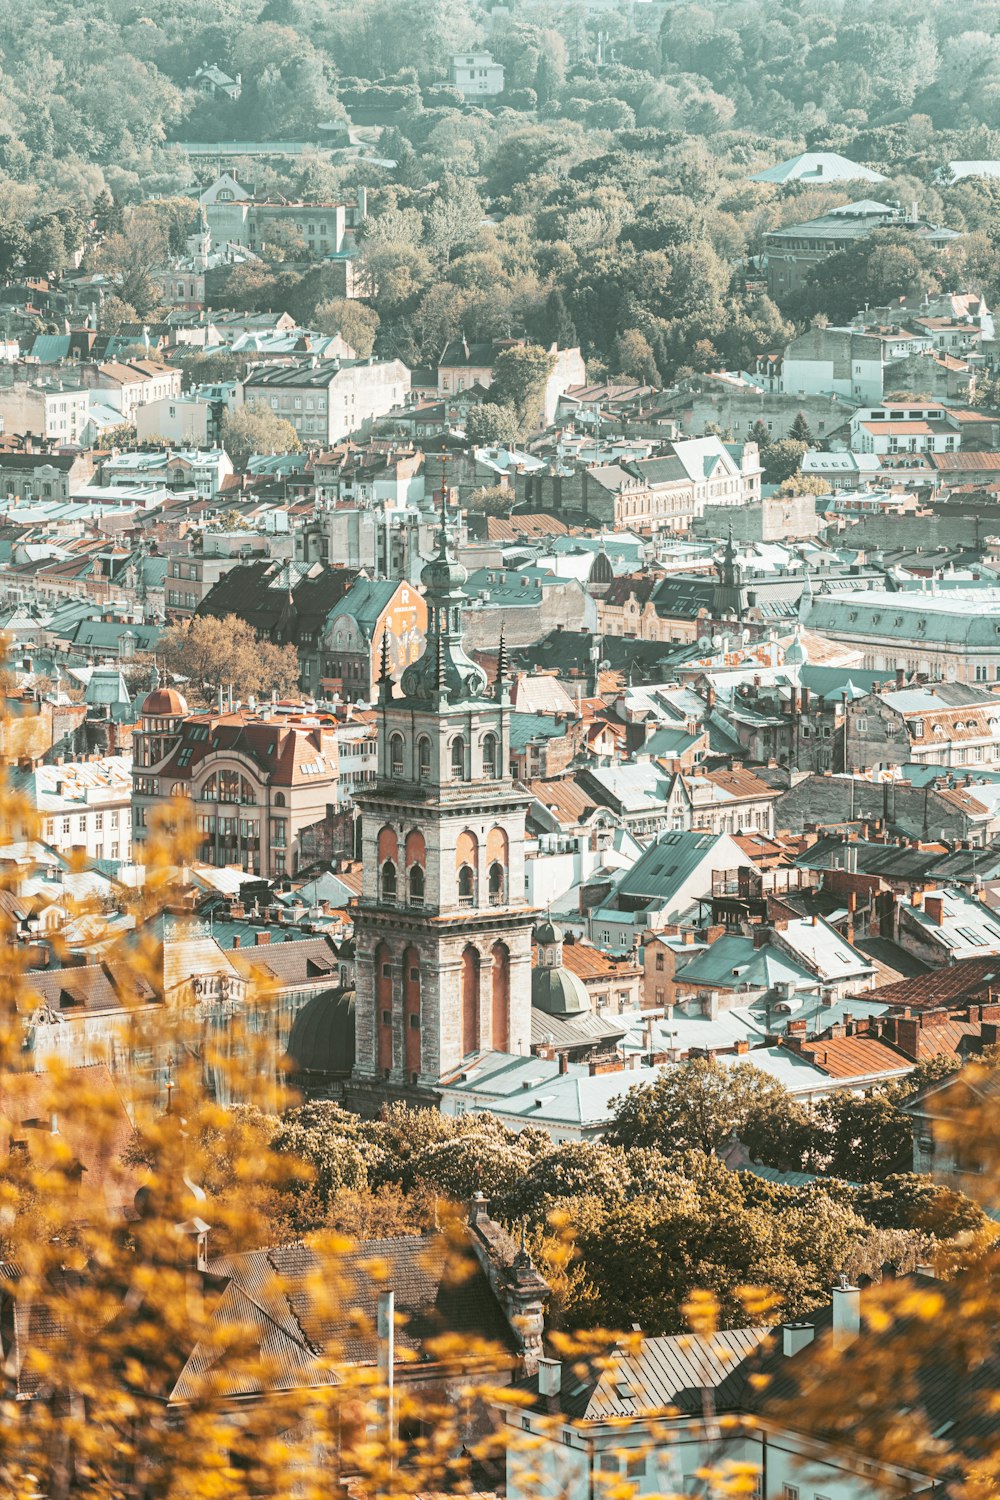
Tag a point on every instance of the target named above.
point(796, 653)
point(548, 933)
point(322, 1036)
point(558, 993)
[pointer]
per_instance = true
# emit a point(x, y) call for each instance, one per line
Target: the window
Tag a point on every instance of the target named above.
point(458, 758)
point(789, 1492)
point(416, 886)
point(98, 822)
point(396, 755)
point(466, 886)
point(659, 962)
point(490, 755)
point(388, 881)
point(635, 1468)
point(424, 758)
point(496, 884)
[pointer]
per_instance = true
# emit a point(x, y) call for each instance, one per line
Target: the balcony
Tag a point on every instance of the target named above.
point(467, 902)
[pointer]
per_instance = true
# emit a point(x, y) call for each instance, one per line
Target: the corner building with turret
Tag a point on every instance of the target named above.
point(442, 929)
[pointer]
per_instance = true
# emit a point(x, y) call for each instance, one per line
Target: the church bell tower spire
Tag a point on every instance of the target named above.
point(442, 930)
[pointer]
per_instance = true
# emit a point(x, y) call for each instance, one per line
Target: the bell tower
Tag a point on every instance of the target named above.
point(442, 929)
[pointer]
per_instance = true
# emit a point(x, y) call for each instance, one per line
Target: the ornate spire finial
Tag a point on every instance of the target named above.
point(383, 658)
point(503, 664)
point(441, 666)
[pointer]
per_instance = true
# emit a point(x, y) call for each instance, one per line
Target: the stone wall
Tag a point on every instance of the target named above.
point(736, 411)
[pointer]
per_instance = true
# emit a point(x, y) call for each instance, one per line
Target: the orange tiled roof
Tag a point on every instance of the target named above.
point(854, 1056)
point(587, 962)
point(740, 784)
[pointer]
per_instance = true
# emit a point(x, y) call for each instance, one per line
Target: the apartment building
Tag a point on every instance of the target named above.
point(44, 408)
point(262, 780)
point(129, 386)
point(327, 400)
point(82, 806)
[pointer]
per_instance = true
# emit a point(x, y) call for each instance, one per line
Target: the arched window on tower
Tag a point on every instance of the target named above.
point(491, 767)
point(424, 758)
point(415, 862)
point(458, 758)
point(467, 867)
point(396, 755)
point(388, 881)
point(497, 859)
point(497, 874)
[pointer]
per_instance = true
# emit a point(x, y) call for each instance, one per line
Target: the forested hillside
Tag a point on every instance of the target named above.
point(603, 196)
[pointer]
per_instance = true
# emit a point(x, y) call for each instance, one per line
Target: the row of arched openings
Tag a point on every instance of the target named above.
point(472, 1039)
point(458, 758)
point(402, 873)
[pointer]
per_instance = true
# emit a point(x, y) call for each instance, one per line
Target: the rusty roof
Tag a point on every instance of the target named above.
point(854, 1056)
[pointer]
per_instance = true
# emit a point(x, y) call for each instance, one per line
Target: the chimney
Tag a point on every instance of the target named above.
point(261, 939)
point(846, 1313)
point(236, 941)
point(795, 1336)
point(934, 907)
point(564, 1062)
point(549, 1377)
point(742, 1048)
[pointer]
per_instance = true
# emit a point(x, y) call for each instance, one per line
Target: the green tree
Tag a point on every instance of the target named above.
point(255, 428)
point(632, 356)
point(45, 252)
point(800, 431)
point(867, 1135)
point(107, 214)
point(212, 653)
point(131, 259)
point(558, 324)
point(13, 244)
point(493, 426)
point(782, 459)
point(804, 484)
point(520, 375)
point(353, 320)
point(697, 1106)
point(760, 434)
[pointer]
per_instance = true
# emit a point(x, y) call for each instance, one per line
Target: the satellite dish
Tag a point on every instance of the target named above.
point(703, 643)
point(745, 637)
point(717, 641)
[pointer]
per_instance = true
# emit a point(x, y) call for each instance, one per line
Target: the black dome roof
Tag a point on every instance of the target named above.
point(322, 1036)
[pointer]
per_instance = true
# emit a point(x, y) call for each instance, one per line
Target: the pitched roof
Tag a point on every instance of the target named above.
point(855, 1057)
point(969, 979)
point(817, 167)
point(439, 1289)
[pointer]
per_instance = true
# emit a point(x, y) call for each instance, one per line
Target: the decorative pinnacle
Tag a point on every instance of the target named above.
point(384, 670)
point(440, 666)
point(503, 664)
